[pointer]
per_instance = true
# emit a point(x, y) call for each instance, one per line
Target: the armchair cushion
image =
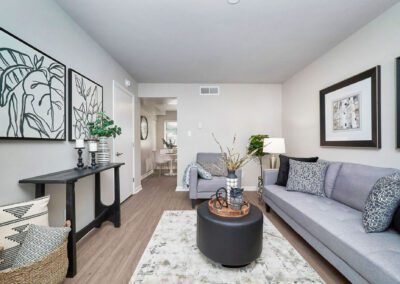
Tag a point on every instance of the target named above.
point(211, 185)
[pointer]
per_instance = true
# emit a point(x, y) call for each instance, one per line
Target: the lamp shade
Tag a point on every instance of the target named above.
point(274, 145)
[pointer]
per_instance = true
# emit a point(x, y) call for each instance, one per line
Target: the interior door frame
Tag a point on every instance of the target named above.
point(125, 90)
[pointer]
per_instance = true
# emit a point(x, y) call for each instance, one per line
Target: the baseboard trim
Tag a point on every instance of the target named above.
point(181, 188)
point(250, 188)
point(138, 189)
point(149, 173)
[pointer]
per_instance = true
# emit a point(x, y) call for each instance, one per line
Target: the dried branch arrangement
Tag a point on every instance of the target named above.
point(233, 160)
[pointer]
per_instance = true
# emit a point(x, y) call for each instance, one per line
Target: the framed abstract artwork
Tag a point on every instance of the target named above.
point(398, 101)
point(85, 101)
point(350, 112)
point(32, 92)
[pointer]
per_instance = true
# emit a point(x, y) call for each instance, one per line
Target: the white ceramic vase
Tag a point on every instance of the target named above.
point(103, 151)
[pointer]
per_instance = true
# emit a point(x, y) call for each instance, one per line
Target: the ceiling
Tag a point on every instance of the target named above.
point(211, 41)
point(159, 106)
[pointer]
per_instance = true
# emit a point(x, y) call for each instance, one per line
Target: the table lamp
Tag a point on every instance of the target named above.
point(274, 146)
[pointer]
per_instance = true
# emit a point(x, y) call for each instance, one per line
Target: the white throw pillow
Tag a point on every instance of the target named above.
point(14, 221)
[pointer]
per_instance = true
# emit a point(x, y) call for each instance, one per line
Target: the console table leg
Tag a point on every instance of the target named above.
point(117, 198)
point(39, 190)
point(97, 197)
point(70, 214)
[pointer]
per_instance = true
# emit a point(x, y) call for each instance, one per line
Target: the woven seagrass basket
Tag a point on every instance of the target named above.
point(49, 270)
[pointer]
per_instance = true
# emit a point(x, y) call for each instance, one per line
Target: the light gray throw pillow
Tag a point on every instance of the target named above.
point(382, 203)
point(203, 173)
point(39, 242)
point(307, 177)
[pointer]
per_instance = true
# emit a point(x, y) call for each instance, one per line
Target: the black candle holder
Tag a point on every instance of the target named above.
point(93, 164)
point(80, 165)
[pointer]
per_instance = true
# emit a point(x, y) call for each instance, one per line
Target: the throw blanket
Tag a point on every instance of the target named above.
point(200, 171)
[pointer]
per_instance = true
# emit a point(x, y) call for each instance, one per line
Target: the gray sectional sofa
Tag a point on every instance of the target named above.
point(333, 224)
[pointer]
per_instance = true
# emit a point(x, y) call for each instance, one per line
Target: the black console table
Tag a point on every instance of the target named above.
point(102, 212)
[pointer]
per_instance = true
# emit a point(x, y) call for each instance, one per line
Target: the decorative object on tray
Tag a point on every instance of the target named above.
point(236, 198)
point(274, 146)
point(228, 211)
point(79, 145)
point(103, 127)
point(32, 93)
point(257, 142)
point(398, 100)
point(218, 204)
point(93, 151)
point(233, 161)
point(85, 101)
point(350, 111)
point(144, 128)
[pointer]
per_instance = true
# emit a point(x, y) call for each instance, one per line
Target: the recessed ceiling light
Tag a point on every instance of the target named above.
point(233, 2)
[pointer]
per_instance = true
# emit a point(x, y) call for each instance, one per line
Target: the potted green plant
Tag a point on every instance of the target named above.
point(256, 145)
point(103, 127)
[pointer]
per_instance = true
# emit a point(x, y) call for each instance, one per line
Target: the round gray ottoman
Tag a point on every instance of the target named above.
point(233, 242)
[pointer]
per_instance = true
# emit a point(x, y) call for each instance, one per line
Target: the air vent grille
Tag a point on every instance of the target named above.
point(209, 91)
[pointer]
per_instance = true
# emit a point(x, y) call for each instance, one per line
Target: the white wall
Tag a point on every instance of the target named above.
point(46, 26)
point(378, 43)
point(149, 145)
point(244, 109)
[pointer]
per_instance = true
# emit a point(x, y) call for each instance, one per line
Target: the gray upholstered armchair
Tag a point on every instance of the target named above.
point(202, 188)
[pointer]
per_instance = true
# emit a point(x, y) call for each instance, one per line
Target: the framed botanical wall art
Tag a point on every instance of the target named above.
point(398, 101)
point(350, 112)
point(85, 101)
point(32, 92)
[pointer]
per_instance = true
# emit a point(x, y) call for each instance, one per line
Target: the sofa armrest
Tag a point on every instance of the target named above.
point(270, 176)
point(193, 179)
point(238, 173)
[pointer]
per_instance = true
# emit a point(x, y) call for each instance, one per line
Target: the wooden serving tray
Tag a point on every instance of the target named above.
point(227, 211)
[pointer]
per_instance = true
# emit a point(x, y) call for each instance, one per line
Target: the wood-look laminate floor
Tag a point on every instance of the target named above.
point(110, 255)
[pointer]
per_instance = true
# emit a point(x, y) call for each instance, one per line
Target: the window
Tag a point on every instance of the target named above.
point(171, 131)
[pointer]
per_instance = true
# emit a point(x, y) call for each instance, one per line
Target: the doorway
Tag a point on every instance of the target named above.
point(159, 138)
point(123, 146)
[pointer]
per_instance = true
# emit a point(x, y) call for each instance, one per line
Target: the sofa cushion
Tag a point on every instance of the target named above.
point(396, 220)
point(307, 177)
point(354, 183)
point(211, 185)
point(374, 256)
point(284, 167)
point(330, 177)
point(382, 203)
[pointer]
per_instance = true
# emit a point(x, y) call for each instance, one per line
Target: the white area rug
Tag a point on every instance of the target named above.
point(172, 256)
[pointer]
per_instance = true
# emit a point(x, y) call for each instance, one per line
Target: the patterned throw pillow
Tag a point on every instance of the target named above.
point(381, 203)
point(203, 173)
point(39, 242)
point(307, 177)
point(284, 167)
point(217, 168)
point(14, 221)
